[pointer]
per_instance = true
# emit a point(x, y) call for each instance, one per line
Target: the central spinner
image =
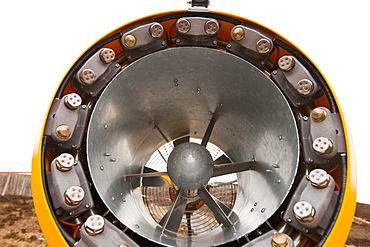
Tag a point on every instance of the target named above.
point(190, 166)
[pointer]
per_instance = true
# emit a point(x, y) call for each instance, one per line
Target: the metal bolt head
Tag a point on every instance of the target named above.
point(305, 87)
point(72, 101)
point(322, 145)
point(129, 40)
point(87, 76)
point(263, 46)
point(63, 131)
point(318, 114)
point(211, 27)
point(64, 162)
point(183, 25)
point(279, 240)
point(94, 225)
point(286, 63)
point(319, 178)
point(238, 33)
point(304, 211)
point(156, 30)
point(74, 195)
point(107, 55)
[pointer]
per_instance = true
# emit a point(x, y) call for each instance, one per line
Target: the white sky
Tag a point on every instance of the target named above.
point(40, 40)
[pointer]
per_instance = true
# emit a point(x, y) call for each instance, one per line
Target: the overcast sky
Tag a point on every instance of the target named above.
point(40, 40)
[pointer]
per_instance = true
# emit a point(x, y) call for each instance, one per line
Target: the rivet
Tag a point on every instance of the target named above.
point(238, 33)
point(129, 40)
point(63, 131)
point(318, 115)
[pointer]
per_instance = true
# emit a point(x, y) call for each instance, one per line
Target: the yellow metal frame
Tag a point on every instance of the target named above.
point(337, 236)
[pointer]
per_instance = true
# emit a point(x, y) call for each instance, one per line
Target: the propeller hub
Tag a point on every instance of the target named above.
point(190, 166)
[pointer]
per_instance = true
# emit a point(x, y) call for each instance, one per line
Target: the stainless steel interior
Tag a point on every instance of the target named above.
point(177, 91)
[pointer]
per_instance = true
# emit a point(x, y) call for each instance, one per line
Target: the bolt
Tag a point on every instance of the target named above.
point(279, 240)
point(183, 25)
point(211, 27)
point(94, 225)
point(124, 245)
point(87, 76)
point(304, 211)
point(238, 33)
point(107, 55)
point(74, 195)
point(319, 178)
point(156, 30)
point(286, 63)
point(64, 162)
point(322, 145)
point(63, 131)
point(72, 101)
point(263, 46)
point(318, 115)
point(129, 40)
point(305, 87)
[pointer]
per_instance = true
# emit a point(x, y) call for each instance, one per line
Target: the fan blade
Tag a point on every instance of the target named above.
point(224, 169)
point(219, 210)
point(207, 134)
point(221, 160)
point(181, 140)
point(172, 219)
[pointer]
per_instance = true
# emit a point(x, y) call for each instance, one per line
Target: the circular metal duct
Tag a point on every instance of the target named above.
point(194, 128)
point(181, 90)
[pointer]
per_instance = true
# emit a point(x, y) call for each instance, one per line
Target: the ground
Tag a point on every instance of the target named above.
point(19, 227)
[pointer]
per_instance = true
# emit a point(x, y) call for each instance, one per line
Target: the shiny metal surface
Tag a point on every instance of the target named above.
point(177, 89)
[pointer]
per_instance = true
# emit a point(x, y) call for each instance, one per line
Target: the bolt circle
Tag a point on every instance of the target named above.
point(156, 30)
point(94, 225)
point(286, 63)
point(304, 211)
point(322, 145)
point(87, 76)
point(72, 101)
point(211, 27)
point(263, 46)
point(107, 55)
point(183, 25)
point(319, 178)
point(64, 162)
point(74, 195)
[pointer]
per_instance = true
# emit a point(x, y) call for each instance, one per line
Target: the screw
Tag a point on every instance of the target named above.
point(183, 25)
point(319, 178)
point(107, 55)
point(286, 63)
point(63, 131)
point(238, 33)
point(87, 76)
point(211, 27)
point(72, 101)
point(305, 87)
point(64, 162)
point(129, 40)
point(263, 46)
point(318, 115)
point(279, 240)
point(322, 145)
point(74, 195)
point(94, 225)
point(102, 168)
point(304, 211)
point(156, 30)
